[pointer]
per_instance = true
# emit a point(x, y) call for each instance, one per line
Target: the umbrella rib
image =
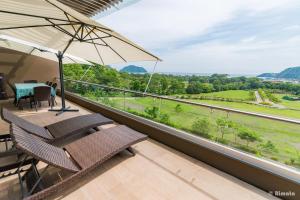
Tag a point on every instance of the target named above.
point(89, 32)
point(81, 32)
point(96, 48)
point(36, 16)
point(32, 26)
point(62, 29)
point(130, 44)
point(104, 45)
point(110, 47)
point(71, 40)
point(66, 14)
point(95, 38)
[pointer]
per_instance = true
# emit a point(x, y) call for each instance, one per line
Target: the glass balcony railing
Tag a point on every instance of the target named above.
point(265, 136)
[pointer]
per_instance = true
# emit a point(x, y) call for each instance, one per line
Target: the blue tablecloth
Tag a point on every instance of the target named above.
point(26, 89)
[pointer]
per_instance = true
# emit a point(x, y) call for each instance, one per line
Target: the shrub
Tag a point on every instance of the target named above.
point(268, 147)
point(178, 108)
point(274, 158)
point(252, 96)
point(202, 127)
point(222, 124)
point(248, 149)
point(223, 141)
point(225, 125)
point(107, 101)
point(265, 103)
point(164, 118)
point(248, 135)
point(152, 112)
point(272, 98)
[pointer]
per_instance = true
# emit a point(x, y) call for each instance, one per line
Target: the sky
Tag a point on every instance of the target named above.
point(215, 36)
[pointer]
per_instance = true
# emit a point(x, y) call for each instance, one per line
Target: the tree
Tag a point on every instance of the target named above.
point(176, 87)
point(193, 88)
point(196, 87)
point(234, 127)
point(248, 135)
point(135, 85)
point(202, 127)
point(206, 87)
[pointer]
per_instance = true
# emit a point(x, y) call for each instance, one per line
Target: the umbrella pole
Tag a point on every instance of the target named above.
point(62, 88)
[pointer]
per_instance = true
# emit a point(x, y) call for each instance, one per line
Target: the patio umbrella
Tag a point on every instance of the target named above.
point(51, 24)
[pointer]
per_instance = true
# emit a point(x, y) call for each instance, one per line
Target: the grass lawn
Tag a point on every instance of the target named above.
point(293, 114)
point(232, 94)
point(284, 136)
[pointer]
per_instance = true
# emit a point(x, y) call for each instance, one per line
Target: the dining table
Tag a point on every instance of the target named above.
point(26, 89)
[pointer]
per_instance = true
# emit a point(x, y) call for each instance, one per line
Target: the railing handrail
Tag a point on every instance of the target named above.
point(282, 119)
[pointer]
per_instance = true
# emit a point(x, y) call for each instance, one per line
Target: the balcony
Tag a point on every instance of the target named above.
point(156, 172)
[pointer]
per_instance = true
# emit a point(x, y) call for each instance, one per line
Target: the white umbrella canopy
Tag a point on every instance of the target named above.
point(52, 24)
point(32, 49)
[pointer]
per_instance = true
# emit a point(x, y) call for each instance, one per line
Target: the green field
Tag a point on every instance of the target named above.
point(284, 136)
point(293, 114)
point(231, 94)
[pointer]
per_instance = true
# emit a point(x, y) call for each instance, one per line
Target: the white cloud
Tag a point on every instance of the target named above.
point(162, 24)
point(239, 58)
point(249, 39)
point(154, 23)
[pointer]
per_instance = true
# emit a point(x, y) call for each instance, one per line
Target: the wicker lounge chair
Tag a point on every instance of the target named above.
point(58, 130)
point(9, 164)
point(86, 154)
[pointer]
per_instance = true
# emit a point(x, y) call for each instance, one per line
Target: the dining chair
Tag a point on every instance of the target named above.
point(41, 93)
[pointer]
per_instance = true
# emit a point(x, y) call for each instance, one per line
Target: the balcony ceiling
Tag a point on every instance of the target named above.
point(91, 7)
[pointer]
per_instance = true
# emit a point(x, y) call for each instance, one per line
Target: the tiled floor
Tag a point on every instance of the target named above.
point(156, 172)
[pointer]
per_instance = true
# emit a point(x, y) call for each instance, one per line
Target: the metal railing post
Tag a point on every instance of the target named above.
point(124, 98)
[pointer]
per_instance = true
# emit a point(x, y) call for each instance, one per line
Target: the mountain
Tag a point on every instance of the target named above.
point(268, 75)
point(289, 73)
point(133, 69)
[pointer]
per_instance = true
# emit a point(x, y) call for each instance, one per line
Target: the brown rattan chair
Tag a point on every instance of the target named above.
point(59, 130)
point(86, 154)
point(41, 93)
point(30, 81)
